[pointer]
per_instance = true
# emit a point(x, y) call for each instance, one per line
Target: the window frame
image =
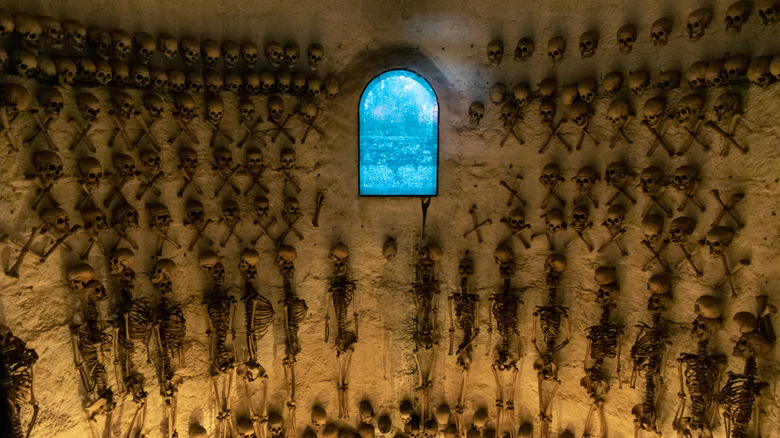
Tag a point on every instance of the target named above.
point(438, 133)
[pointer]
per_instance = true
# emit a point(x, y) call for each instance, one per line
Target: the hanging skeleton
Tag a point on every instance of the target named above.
point(647, 353)
point(259, 314)
point(17, 363)
point(464, 313)
point(604, 341)
point(425, 293)
point(741, 392)
point(700, 372)
point(550, 318)
point(505, 308)
point(341, 292)
point(169, 331)
point(295, 310)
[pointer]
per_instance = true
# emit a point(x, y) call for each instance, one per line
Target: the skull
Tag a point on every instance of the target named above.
point(638, 80)
point(653, 111)
point(688, 109)
point(554, 265)
point(718, 239)
point(188, 159)
point(124, 166)
point(480, 419)
point(708, 307)
point(332, 86)
point(497, 93)
point(261, 206)
point(195, 212)
point(298, 83)
point(223, 159)
point(579, 113)
point(161, 217)
point(703, 328)
point(275, 424)
point(275, 108)
point(308, 111)
point(616, 173)
point(121, 260)
point(522, 92)
point(4, 59)
point(330, 431)
point(555, 49)
point(524, 49)
point(126, 216)
point(735, 66)
point(580, 217)
point(285, 254)
point(767, 11)
point(207, 260)
point(618, 112)
point(726, 105)
point(292, 208)
point(605, 275)
point(758, 71)
point(66, 70)
point(736, 15)
point(190, 49)
point(291, 54)
point(517, 219)
point(668, 80)
point(252, 82)
point(176, 80)
point(249, 258)
point(551, 176)
point(650, 180)
point(56, 219)
point(120, 72)
point(230, 53)
point(76, 33)
point(94, 219)
point(86, 71)
point(168, 45)
point(154, 105)
point(150, 159)
point(547, 111)
point(585, 178)
point(185, 105)
point(163, 271)
point(389, 249)
point(589, 42)
point(249, 53)
point(122, 104)
point(274, 52)
point(504, 258)
point(193, 79)
point(430, 429)
point(100, 40)
point(103, 72)
point(24, 62)
point(698, 22)
point(140, 75)
point(315, 55)
point(28, 28)
point(318, 418)
point(51, 100)
point(752, 344)
point(254, 160)
point(615, 216)
point(659, 284)
point(213, 81)
point(684, 177)
point(547, 88)
point(52, 31)
point(216, 108)
point(145, 46)
point(680, 228)
point(626, 36)
point(612, 82)
point(6, 24)
point(122, 42)
point(554, 221)
point(443, 415)
point(313, 85)
point(660, 30)
point(405, 410)
point(210, 50)
point(569, 94)
point(697, 74)
point(79, 275)
point(91, 170)
point(466, 267)
point(509, 114)
point(587, 89)
point(659, 302)
point(652, 227)
point(233, 82)
point(746, 322)
point(495, 51)
point(713, 75)
point(283, 81)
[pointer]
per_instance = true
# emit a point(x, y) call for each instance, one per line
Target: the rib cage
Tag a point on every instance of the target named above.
point(259, 314)
point(172, 325)
point(738, 395)
point(700, 379)
point(219, 309)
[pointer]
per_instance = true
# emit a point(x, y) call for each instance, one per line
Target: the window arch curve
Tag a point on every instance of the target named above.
point(399, 136)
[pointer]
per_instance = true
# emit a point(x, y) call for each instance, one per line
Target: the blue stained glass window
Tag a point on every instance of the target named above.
point(399, 136)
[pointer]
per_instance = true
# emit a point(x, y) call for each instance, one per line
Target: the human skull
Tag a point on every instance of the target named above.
point(86, 71)
point(503, 254)
point(585, 178)
point(767, 11)
point(124, 166)
point(547, 111)
point(94, 219)
point(495, 51)
point(366, 411)
point(735, 66)
point(94, 290)
point(696, 74)
point(688, 109)
point(154, 105)
point(587, 89)
point(145, 46)
point(315, 54)
point(746, 322)
point(275, 108)
point(480, 419)
point(188, 159)
point(6, 23)
point(405, 410)
point(233, 82)
point(210, 51)
point(589, 42)
point(223, 159)
point(51, 100)
point(122, 43)
point(652, 227)
point(48, 165)
point(103, 72)
point(569, 94)
point(207, 260)
point(291, 54)
point(75, 33)
point(517, 219)
point(52, 31)
point(195, 212)
point(185, 105)
point(660, 30)
point(122, 259)
point(150, 159)
point(659, 302)
point(24, 62)
point(308, 111)
point(698, 22)
point(126, 216)
point(274, 51)
point(659, 284)
point(168, 45)
point(612, 82)
point(524, 49)
point(79, 275)
point(638, 80)
point(160, 215)
point(100, 40)
point(213, 81)
point(28, 28)
point(497, 93)
point(618, 112)
point(91, 170)
point(668, 80)
point(684, 177)
point(681, 228)
point(554, 265)
point(465, 268)
point(215, 108)
point(726, 105)
point(292, 208)
point(556, 47)
point(254, 160)
point(626, 37)
point(66, 70)
point(653, 111)
point(547, 88)
point(339, 254)
point(120, 72)
point(752, 345)
point(330, 431)
point(579, 113)
point(249, 259)
point(56, 219)
point(718, 239)
point(285, 254)
point(230, 53)
point(139, 73)
point(737, 15)
point(605, 275)
point(580, 217)
point(509, 114)
point(313, 85)
point(254, 82)
point(319, 418)
point(163, 273)
point(651, 179)
point(758, 71)
point(522, 93)
point(713, 76)
point(194, 81)
point(430, 428)
point(554, 221)
point(190, 49)
point(703, 328)
point(283, 81)
point(616, 173)
point(332, 87)
point(615, 216)
point(122, 104)
point(249, 53)
point(551, 176)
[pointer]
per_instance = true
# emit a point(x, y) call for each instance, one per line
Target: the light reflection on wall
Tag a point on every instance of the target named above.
point(399, 117)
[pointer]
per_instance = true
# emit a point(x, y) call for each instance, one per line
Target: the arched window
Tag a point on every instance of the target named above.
point(399, 136)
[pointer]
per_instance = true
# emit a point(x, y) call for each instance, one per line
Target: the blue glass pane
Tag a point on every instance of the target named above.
point(399, 118)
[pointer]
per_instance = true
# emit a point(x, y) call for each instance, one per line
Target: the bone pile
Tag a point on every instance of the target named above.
point(18, 363)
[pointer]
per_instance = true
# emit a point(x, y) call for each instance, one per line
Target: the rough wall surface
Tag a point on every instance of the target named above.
point(446, 43)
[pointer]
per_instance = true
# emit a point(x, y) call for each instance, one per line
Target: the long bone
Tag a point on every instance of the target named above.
point(580, 234)
point(727, 136)
point(614, 238)
point(60, 241)
point(584, 132)
point(727, 208)
point(280, 129)
point(656, 253)
point(231, 226)
point(227, 179)
point(189, 180)
point(512, 192)
point(215, 129)
point(93, 239)
point(477, 224)
point(689, 258)
point(250, 132)
point(554, 133)
point(184, 127)
point(7, 127)
point(290, 227)
point(511, 131)
point(199, 235)
point(621, 190)
point(163, 237)
point(315, 220)
point(289, 179)
point(264, 231)
point(689, 196)
point(692, 136)
point(150, 184)
point(43, 128)
point(256, 181)
point(83, 135)
point(45, 192)
point(516, 233)
point(659, 139)
point(120, 130)
point(621, 133)
point(14, 271)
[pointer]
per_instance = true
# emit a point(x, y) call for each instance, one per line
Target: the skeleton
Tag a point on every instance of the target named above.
point(689, 117)
point(737, 15)
point(549, 319)
point(589, 42)
point(660, 31)
point(551, 177)
point(184, 115)
point(495, 51)
point(616, 214)
point(556, 47)
point(188, 165)
point(553, 223)
point(698, 22)
point(653, 114)
point(647, 353)
point(626, 37)
point(124, 165)
point(160, 224)
point(14, 100)
point(768, 12)
point(727, 108)
point(741, 392)
point(464, 313)
point(619, 114)
point(701, 372)
point(580, 222)
point(651, 184)
point(505, 307)
point(19, 379)
point(652, 228)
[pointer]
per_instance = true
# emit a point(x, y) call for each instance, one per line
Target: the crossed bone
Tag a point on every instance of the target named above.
point(231, 226)
point(656, 254)
point(477, 224)
point(614, 238)
point(250, 132)
point(511, 131)
point(512, 193)
point(692, 136)
point(83, 136)
point(620, 133)
point(659, 139)
point(189, 179)
point(43, 128)
point(147, 134)
point(199, 235)
point(184, 127)
point(728, 135)
point(214, 125)
point(264, 229)
point(554, 134)
point(516, 233)
point(6, 128)
point(727, 207)
point(256, 181)
point(227, 179)
point(580, 234)
point(290, 227)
